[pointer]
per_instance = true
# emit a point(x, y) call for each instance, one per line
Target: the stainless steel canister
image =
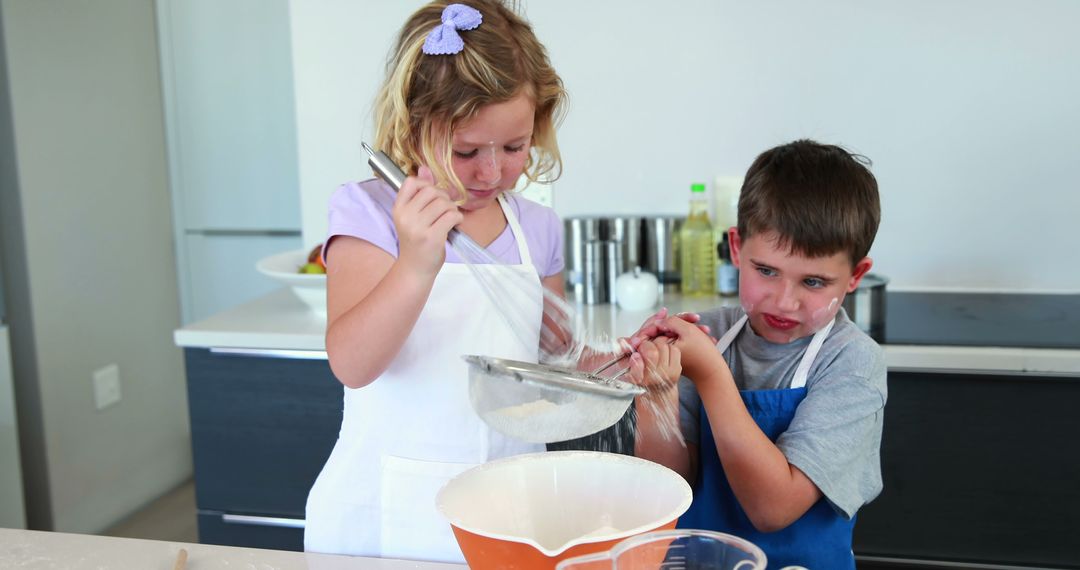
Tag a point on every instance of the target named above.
point(660, 253)
point(613, 268)
point(579, 232)
point(866, 305)
point(627, 230)
point(593, 276)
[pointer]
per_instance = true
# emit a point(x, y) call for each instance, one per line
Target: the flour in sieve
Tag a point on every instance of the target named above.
point(528, 409)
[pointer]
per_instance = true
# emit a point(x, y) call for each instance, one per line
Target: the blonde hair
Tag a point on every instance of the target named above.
point(424, 97)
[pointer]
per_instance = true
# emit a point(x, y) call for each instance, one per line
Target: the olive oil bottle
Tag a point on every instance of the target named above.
point(697, 250)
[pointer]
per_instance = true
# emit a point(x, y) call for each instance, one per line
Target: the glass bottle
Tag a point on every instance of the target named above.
point(696, 247)
point(727, 275)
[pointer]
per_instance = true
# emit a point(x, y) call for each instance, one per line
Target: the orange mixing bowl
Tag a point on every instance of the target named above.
point(531, 511)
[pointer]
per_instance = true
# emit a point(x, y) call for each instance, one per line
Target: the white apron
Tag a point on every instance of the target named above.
point(411, 430)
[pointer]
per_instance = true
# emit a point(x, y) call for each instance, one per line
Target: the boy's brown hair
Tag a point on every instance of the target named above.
point(820, 199)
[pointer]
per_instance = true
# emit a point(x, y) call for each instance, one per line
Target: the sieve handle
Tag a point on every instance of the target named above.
point(612, 362)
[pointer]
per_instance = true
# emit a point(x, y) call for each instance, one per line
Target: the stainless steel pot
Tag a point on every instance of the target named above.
point(866, 306)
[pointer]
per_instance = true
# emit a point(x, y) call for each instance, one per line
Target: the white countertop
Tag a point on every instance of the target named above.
point(280, 323)
point(30, 549)
point(278, 320)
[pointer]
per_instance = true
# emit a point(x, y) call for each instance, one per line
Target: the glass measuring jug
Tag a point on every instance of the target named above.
point(683, 549)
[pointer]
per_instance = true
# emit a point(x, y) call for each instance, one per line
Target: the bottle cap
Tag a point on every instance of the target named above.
point(697, 187)
point(722, 250)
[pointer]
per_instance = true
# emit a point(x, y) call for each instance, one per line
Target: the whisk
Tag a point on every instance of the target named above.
point(533, 402)
point(559, 314)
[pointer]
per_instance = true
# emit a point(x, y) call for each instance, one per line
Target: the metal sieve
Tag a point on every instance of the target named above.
point(545, 404)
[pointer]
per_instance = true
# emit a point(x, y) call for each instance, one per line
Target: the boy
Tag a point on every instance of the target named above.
point(782, 417)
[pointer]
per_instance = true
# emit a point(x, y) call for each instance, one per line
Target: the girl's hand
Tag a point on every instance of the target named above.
point(656, 365)
point(423, 216)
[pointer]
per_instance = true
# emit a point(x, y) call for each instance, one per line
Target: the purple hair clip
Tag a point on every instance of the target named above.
point(444, 39)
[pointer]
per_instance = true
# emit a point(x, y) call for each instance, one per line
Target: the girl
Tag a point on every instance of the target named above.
point(469, 104)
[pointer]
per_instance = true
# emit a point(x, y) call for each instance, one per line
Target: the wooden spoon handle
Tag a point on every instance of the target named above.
point(181, 560)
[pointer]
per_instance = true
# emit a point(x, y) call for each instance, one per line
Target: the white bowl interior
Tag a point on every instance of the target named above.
point(556, 500)
point(284, 267)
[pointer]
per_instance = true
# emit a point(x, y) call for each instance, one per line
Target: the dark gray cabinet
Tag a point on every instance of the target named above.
point(262, 427)
point(978, 468)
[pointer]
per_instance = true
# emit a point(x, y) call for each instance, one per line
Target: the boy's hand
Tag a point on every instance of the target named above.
point(656, 365)
point(423, 216)
point(650, 329)
point(697, 349)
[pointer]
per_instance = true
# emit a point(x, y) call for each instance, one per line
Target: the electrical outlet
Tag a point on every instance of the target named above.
point(106, 386)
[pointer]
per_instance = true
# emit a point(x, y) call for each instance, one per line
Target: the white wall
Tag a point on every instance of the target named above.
point(89, 265)
point(967, 108)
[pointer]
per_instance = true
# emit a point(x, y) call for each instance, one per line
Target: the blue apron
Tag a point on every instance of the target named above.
point(821, 538)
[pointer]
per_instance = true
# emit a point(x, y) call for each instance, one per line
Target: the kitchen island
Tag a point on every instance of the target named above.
point(972, 453)
point(30, 549)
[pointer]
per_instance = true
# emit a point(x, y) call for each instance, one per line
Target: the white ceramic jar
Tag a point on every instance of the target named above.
point(637, 290)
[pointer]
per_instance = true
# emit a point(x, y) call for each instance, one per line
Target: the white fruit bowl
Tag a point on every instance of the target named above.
point(285, 268)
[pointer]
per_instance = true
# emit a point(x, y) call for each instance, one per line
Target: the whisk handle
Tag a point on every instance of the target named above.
point(384, 167)
point(393, 175)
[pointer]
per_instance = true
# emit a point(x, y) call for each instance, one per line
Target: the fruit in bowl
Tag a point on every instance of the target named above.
point(287, 269)
point(314, 263)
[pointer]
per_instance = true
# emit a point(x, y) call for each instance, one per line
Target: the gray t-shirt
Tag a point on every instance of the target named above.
point(835, 436)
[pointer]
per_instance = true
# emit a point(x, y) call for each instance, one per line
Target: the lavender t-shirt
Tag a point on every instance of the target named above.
point(363, 210)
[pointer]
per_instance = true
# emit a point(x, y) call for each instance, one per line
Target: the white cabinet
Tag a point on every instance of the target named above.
point(231, 128)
